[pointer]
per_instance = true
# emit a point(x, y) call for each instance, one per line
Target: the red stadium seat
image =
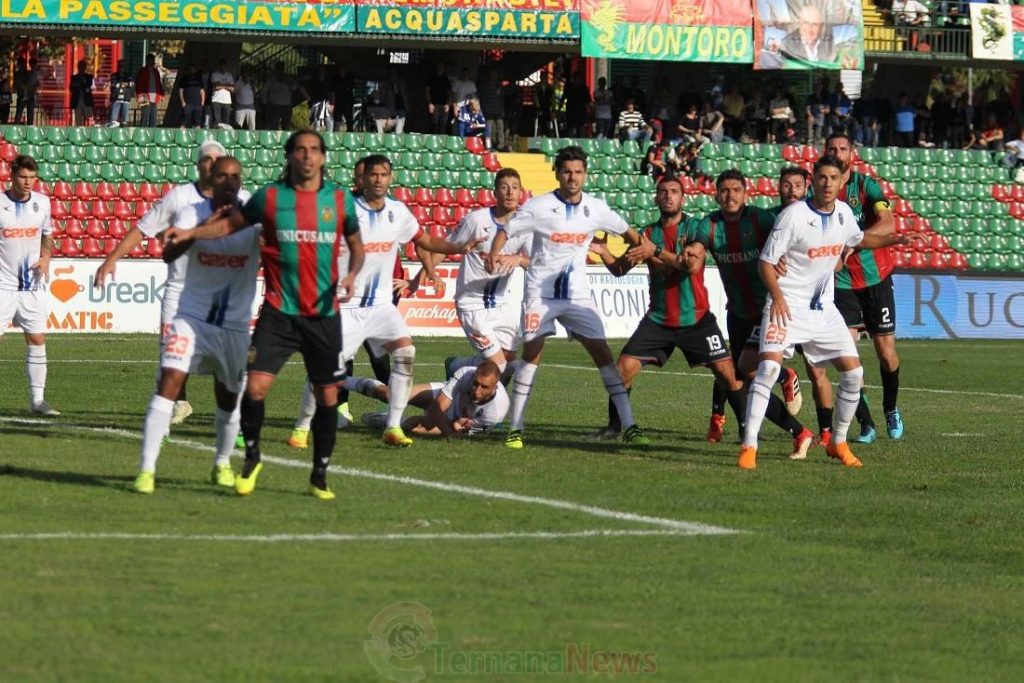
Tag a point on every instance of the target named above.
point(70, 247)
point(791, 153)
point(154, 248)
point(410, 252)
point(149, 192)
point(421, 214)
point(109, 245)
point(438, 231)
point(58, 210)
point(750, 186)
point(95, 228)
point(138, 251)
point(79, 209)
point(91, 248)
point(524, 196)
point(127, 192)
point(101, 210)
point(689, 184)
point(444, 196)
point(940, 243)
point(62, 190)
point(485, 197)
point(901, 207)
point(5, 171)
point(73, 228)
point(937, 260)
point(141, 208)
point(459, 212)
point(441, 215)
point(1017, 210)
point(1017, 193)
point(958, 261)
point(165, 188)
point(491, 162)
point(475, 145)
point(766, 187)
point(105, 191)
point(900, 259)
point(41, 186)
point(117, 229)
point(84, 190)
point(423, 197)
point(464, 197)
point(8, 152)
point(1001, 193)
point(810, 154)
point(918, 260)
point(123, 210)
point(403, 194)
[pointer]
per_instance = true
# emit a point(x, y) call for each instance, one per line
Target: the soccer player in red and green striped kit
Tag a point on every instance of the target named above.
point(864, 290)
point(306, 219)
point(734, 235)
point(678, 316)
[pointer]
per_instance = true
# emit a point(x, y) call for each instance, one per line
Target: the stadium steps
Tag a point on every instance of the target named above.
point(534, 170)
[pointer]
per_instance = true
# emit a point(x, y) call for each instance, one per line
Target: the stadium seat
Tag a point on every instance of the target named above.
point(444, 197)
point(441, 215)
point(101, 211)
point(423, 197)
point(79, 209)
point(96, 228)
point(62, 190)
point(403, 194)
point(464, 197)
point(421, 214)
point(485, 197)
point(117, 229)
point(74, 228)
point(153, 248)
point(142, 208)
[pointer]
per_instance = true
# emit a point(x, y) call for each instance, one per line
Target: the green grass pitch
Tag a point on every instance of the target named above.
point(469, 562)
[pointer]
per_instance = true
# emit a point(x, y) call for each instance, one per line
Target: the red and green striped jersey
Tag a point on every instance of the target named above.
point(677, 299)
point(302, 235)
point(865, 267)
point(736, 248)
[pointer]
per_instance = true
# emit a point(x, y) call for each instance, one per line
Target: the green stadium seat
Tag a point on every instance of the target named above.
point(226, 137)
point(451, 161)
point(628, 165)
point(245, 155)
point(97, 135)
point(14, 134)
point(156, 155)
point(406, 178)
point(48, 172)
point(165, 137)
point(245, 139)
point(111, 172)
point(116, 155)
point(34, 135)
point(446, 178)
point(176, 175)
point(89, 172)
point(472, 162)
point(153, 173)
point(143, 136)
point(454, 144)
point(868, 154)
point(351, 141)
point(413, 142)
point(258, 175)
point(373, 142)
point(52, 153)
point(132, 173)
point(630, 148)
point(394, 143)
point(74, 153)
point(267, 157)
point(339, 176)
point(271, 139)
point(182, 156)
point(427, 178)
point(606, 164)
point(644, 183)
point(34, 151)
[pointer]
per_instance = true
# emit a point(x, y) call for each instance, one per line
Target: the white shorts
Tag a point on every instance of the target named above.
point(378, 325)
point(489, 330)
point(168, 312)
point(822, 334)
point(198, 348)
point(28, 309)
point(578, 316)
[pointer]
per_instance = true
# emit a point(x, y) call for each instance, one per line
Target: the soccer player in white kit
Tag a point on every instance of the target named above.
point(210, 330)
point(811, 236)
point(175, 208)
point(384, 225)
point(470, 402)
point(488, 318)
point(561, 225)
point(25, 248)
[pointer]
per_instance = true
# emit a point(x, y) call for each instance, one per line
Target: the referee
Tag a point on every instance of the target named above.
point(305, 220)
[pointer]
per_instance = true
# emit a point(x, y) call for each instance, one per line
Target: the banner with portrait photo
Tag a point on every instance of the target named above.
point(991, 32)
point(808, 34)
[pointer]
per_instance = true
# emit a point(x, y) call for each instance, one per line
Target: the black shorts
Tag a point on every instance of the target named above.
point(701, 343)
point(873, 307)
point(742, 333)
point(278, 335)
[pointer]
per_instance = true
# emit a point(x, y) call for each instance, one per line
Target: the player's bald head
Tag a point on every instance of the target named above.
point(488, 369)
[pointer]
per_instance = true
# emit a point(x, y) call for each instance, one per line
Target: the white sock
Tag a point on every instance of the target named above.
point(400, 384)
point(236, 414)
point(307, 406)
point(617, 393)
point(227, 431)
point(522, 385)
point(154, 429)
point(35, 368)
point(847, 398)
point(757, 400)
point(367, 386)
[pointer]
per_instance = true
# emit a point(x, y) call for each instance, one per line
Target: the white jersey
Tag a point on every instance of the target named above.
point(482, 417)
point(561, 235)
point(183, 206)
point(22, 226)
point(475, 288)
point(812, 243)
point(382, 231)
point(220, 279)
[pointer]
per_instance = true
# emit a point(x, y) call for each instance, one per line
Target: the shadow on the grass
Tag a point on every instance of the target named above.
point(74, 478)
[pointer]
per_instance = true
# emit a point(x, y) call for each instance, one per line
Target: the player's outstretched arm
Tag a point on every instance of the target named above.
point(440, 246)
point(436, 414)
point(109, 265)
point(221, 226)
point(616, 266)
point(873, 239)
point(780, 314)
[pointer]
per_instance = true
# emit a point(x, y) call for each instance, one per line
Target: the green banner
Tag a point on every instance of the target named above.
point(230, 15)
point(514, 19)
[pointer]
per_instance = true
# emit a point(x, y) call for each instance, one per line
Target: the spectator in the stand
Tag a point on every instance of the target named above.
point(149, 89)
point(319, 97)
point(544, 96)
point(26, 86)
point(815, 112)
point(688, 160)
point(711, 123)
point(959, 129)
point(942, 119)
point(6, 98)
point(780, 116)
point(576, 99)
point(463, 89)
point(344, 98)
point(276, 98)
point(81, 95)
point(659, 160)
point(389, 108)
point(631, 124)
point(604, 100)
point(990, 138)
point(192, 94)
point(839, 109)
point(909, 13)
point(121, 86)
point(922, 122)
point(733, 107)
point(439, 97)
point(755, 119)
point(222, 83)
point(689, 128)
point(1015, 156)
point(865, 112)
point(492, 102)
point(472, 122)
point(950, 13)
point(245, 102)
point(904, 128)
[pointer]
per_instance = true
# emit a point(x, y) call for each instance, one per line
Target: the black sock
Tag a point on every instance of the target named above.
point(890, 389)
point(324, 429)
point(738, 402)
point(863, 413)
point(381, 367)
point(718, 399)
point(251, 423)
point(614, 423)
point(777, 414)
point(824, 419)
point(343, 389)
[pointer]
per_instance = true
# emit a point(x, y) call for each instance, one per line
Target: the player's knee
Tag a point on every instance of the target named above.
point(768, 372)
point(850, 380)
point(404, 356)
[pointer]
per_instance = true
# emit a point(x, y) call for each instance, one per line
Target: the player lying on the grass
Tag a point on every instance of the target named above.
point(734, 236)
point(385, 224)
point(811, 236)
point(490, 321)
point(562, 224)
point(185, 203)
point(25, 249)
point(305, 219)
point(864, 288)
point(210, 330)
point(469, 402)
point(678, 315)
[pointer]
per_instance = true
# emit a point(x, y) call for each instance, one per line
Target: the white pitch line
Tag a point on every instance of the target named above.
point(678, 526)
point(338, 538)
point(962, 434)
